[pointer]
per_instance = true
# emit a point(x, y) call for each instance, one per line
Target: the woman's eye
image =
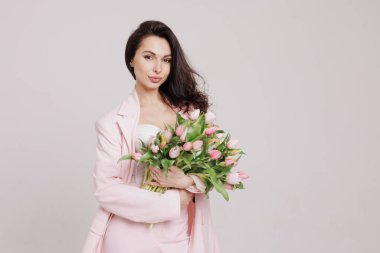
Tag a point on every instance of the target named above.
point(147, 57)
point(168, 60)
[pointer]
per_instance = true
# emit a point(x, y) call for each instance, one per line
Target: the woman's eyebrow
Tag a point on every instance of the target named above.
point(154, 53)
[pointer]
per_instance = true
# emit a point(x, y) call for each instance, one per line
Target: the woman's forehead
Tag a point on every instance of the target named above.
point(155, 45)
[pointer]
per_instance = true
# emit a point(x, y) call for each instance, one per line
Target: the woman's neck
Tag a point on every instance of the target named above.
point(148, 97)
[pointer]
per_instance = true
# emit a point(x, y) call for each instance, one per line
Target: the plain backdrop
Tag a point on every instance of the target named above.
point(297, 82)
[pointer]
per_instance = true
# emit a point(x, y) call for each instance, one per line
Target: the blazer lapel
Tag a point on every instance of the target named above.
point(130, 114)
point(130, 111)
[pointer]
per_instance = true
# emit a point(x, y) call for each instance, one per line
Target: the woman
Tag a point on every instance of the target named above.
point(165, 84)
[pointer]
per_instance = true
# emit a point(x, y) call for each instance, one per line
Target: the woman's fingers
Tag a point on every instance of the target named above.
point(173, 167)
point(153, 173)
point(156, 175)
point(157, 171)
point(170, 180)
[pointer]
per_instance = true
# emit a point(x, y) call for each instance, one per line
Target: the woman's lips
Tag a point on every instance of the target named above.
point(154, 79)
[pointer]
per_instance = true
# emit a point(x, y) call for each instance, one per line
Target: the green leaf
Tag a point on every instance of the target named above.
point(196, 128)
point(217, 184)
point(179, 118)
point(145, 157)
point(220, 188)
point(166, 163)
point(239, 186)
point(125, 157)
point(187, 159)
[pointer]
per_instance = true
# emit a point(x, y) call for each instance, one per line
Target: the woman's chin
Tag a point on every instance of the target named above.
point(149, 85)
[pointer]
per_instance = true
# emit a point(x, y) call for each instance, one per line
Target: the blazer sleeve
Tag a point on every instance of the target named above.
point(120, 198)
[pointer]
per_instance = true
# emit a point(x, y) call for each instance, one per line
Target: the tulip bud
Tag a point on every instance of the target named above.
point(236, 177)
point(179, 130)
point(194, 114)
point(243, 175)
point(229, 161)
point(215, 154)
point(174, 152)
point(154, 148)
point(187, 146)
point(220, 135)
point(136, 156)
point(184, 115)
point(210, 117)
point(197, 145)
point(210, 130)
point(168, 135)
point(232, 144)
point(183, 136)
point(233, 178)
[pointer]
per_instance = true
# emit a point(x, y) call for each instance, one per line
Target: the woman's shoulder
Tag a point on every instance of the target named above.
point(108, 118)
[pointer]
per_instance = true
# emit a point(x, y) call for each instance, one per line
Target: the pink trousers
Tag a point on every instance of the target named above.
point(127, 236)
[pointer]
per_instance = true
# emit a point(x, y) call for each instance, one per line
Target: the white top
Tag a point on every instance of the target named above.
point(143, 132)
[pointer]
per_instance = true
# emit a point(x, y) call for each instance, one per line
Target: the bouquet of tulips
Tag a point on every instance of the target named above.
point(197, 146)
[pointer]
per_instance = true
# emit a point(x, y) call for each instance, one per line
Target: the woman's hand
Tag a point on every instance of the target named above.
point(176, 178)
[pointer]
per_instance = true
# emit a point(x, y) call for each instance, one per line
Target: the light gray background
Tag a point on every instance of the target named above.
point(297, 82)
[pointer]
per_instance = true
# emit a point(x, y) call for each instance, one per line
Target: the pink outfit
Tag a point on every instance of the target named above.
point(166, 237)
point(120, 224)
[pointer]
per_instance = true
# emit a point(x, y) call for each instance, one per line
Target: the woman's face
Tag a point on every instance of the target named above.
point(151, 62)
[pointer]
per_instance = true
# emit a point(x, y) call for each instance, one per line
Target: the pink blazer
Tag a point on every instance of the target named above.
point(115, 131)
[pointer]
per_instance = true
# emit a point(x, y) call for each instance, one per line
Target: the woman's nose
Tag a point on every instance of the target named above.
point(157, 67)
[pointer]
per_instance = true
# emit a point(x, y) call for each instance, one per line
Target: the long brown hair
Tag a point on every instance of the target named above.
point(180, 88)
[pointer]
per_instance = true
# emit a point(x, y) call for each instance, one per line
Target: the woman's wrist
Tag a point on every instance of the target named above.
point(187, 182)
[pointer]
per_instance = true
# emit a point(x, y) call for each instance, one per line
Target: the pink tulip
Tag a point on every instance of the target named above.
point(174, 152)
point(210, 117)
point(183, 136)
point(179, 130)
point(183, 114)
point(197, 145)
point(136, 156)
point(229, 161)
point(168, 135)
point(232, 144)
point(194, 114)
point(236, 177)
point(215, 154)
point(154, 148)
point(243, 175)
point(210, 130)
point(220, 135)
point(187, 146)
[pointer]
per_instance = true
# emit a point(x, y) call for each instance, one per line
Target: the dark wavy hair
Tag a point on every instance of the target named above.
point(181, 88)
